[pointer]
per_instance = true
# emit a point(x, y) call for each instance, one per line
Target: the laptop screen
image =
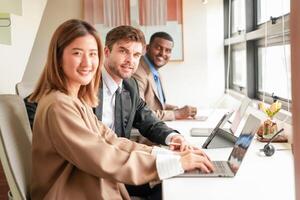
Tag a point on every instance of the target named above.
point(223, 120)
point(221, 123)
point(243, 142)
point(239, 114)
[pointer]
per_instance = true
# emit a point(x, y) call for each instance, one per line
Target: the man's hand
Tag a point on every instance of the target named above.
point(170, 107)
point(178, 143)
point(185, 112)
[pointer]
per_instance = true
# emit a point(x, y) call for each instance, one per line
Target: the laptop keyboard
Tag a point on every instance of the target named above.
point(219, 166)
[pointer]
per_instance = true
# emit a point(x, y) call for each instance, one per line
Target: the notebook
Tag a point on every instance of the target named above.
point(230, 167)
point(204, 132)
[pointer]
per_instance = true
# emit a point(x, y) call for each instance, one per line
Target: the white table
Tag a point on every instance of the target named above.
point(184, 126)
point(259, 177)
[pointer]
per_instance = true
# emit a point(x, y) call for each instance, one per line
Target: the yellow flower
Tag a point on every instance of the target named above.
point(262, 107)
point(272, 110)
point(275, 106)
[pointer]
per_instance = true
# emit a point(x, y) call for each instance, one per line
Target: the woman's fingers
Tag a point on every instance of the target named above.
point(191, 160)
point(200, 152)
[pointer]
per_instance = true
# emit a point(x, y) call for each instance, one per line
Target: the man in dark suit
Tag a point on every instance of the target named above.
point(124, 46)
point(120, 106)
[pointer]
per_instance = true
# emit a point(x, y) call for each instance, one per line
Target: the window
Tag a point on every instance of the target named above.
point(274, 70)
point(258, 58)
point(271, 8)
point(238, 16)
point(239, 68)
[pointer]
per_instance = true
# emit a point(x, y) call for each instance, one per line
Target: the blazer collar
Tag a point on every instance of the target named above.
point(151, 66)
point(145, 65)
point(150, 77)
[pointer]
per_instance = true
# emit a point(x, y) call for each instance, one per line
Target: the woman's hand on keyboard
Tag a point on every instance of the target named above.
point(196, 159)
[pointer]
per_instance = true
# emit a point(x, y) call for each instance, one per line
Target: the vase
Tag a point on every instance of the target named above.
point(269, 128)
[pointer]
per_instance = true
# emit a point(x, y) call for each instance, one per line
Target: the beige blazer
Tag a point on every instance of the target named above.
point(74, 156)
point(148, 91)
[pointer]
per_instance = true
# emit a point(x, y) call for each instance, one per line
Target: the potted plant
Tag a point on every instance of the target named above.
point(269, 126)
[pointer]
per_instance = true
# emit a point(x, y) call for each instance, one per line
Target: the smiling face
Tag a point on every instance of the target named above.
point(123, 59)
point(79, 62)
point(159, 51)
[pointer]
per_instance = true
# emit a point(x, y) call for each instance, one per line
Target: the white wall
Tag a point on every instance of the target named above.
point(56, 12)
point(199, 79)
point(14, 57)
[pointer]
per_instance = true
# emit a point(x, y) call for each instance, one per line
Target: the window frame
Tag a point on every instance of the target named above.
point(253, 37)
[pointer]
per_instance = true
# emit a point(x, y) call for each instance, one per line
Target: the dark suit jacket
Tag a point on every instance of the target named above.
point(135, 113)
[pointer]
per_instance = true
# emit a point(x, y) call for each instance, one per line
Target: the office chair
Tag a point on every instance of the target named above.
point(23, 89)
point(15, 148)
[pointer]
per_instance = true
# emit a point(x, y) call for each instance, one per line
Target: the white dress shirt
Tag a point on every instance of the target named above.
point(168, 164)
point(109, 93)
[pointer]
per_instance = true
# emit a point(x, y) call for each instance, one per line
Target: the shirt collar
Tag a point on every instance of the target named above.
point(109, 82)
point(151, 66)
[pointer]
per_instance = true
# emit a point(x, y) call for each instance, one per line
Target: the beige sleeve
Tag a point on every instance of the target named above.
point(165, 115)
point(98, 153)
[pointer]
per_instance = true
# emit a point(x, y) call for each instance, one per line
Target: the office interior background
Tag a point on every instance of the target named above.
point(225, 53)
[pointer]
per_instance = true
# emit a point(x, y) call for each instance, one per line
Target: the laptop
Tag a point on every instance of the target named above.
point(230, 167)
point(204, 132)
point(220, 138)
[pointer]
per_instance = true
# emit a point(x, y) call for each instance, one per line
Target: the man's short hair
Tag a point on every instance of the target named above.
point(162, 35)
point(124, 32)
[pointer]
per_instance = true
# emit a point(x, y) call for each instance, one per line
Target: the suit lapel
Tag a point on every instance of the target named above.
point(162, 88)
point(151, 78)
